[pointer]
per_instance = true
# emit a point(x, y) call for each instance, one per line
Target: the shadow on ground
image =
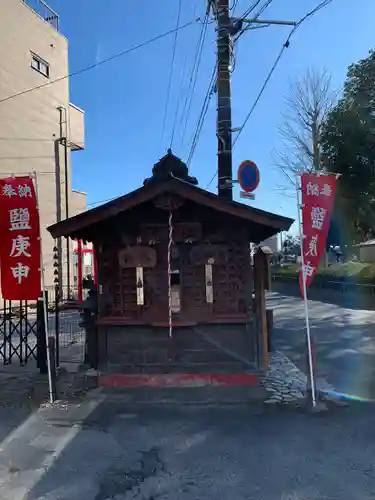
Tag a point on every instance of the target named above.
point(139, 452)
point(22, 390)
point(344, 341)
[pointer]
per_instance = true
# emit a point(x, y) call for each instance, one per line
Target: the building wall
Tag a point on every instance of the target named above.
point(31, 124)
point(271, 243)
point(151, 350)
point(78, 203)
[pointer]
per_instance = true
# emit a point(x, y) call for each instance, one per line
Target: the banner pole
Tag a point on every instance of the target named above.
point(50, 384)
point(304, 287)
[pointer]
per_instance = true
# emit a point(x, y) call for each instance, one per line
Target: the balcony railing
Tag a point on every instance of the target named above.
point(44, 11)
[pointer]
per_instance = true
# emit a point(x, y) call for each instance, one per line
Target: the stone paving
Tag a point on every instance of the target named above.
point(287, 383)
point(344, 341)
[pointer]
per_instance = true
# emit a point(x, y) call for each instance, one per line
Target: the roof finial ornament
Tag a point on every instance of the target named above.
point(170, 166)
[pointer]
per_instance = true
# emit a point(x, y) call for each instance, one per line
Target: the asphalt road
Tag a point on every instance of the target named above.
point(121, 450)
point(344, 340)
point(123, 453)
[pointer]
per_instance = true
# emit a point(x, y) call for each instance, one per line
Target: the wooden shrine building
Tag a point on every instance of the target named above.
point(174, 269)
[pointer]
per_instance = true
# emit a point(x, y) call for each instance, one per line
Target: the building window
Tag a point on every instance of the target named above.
point(39, 65)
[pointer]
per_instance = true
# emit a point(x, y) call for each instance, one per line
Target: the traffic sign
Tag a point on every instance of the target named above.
point(248, 176)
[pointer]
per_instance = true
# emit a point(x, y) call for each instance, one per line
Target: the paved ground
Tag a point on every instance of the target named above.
point(344, 340)
point(110, 447)
point(112, 451)
point(23, 388)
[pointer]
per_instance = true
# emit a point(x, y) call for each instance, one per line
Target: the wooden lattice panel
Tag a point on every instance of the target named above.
point(229, 281)
point(181, 232)
point(130, 307)
point(194, 304)
point(156, 287)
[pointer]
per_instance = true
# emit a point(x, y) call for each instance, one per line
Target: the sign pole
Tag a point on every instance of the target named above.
point(50, 384)
point(308, 334)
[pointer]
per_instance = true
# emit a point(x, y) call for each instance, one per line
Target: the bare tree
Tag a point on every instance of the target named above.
point(308, 101)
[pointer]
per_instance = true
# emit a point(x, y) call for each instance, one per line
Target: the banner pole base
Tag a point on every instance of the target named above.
point(319, 407)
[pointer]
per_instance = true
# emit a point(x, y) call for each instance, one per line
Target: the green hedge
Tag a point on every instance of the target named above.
point(353, 272)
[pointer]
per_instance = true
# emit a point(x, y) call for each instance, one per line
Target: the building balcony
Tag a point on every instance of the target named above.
point(77, 128)
point(44, 11)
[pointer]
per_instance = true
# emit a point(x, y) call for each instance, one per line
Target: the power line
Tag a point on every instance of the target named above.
point(202, 116)
point(100, 202)
point(285, 46)
point(178, 101)
point(171, 70)
point(103, 61)
point(212, 180)
point(193, 77)
point(256, 16)
point(250, 9)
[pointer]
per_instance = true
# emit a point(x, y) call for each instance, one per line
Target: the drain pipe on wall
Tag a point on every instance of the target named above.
point(64, 142)
point(58, 207)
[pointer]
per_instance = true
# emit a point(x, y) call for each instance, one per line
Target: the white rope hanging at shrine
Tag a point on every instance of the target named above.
point(170, 243)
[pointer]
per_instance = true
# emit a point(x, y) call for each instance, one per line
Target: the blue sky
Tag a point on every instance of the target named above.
point(124, 100)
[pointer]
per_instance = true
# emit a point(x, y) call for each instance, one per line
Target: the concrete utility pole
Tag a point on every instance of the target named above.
point(227, 27)
point(224, 111)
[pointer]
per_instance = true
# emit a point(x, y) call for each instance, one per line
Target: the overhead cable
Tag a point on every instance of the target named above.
point(285, 46)
point(185, 114)
point(99, 63)
point(256, 16)
point(178, 101)
point(202, 115)
point(171, 70)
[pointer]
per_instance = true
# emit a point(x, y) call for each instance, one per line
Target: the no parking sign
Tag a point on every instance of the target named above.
point(248, 176)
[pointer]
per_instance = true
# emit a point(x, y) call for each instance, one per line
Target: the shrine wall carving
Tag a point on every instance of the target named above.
point(231, 273)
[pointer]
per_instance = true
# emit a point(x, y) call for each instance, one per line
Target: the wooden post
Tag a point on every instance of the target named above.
point(260, 270)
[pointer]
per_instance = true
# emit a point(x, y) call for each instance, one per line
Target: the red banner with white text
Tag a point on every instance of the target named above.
point(19, 240)
point(318, 194)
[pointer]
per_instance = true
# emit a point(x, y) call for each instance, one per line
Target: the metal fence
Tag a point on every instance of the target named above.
point(18, 332)
point(339, 292)
point(44, 11)
point(343, 286)
point(66, 295)
point(64, 324)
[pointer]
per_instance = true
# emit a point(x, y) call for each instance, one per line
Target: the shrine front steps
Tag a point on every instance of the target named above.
point(180, 397)
point(185, 388)
point(177, 368)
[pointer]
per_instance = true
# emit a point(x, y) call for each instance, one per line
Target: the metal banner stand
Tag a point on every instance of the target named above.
point(304, 287)
point(45, 314)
